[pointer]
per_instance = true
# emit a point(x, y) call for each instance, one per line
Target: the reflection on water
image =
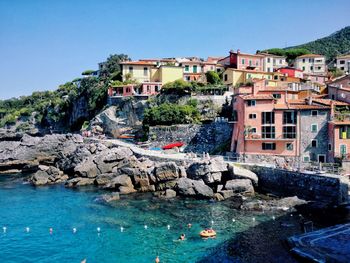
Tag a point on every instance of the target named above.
point(63, 209)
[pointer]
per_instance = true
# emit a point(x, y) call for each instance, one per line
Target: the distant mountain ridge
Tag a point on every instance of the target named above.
point(331, 46)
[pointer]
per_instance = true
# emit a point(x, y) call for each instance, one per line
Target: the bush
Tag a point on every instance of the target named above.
point(179, 87)
point(169, 114)
point(213, 77)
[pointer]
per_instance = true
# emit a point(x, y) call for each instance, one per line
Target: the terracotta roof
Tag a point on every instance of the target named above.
point(328, 102)
point(300, 107)
point(257, 97)
point(255, 71)
point(149, 63)
point(270, 55)
point(310, 56)
point(158, 59)
point(343, 56)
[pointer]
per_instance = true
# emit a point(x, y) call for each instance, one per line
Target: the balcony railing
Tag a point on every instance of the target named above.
point(255, 136)
point(341, 117)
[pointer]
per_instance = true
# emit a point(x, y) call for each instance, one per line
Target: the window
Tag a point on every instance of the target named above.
point(250, 62)
point(145, 71)
point(310, 60)
point(303, 60)
point(314, 113)
point(268, 132)
point(329, 147)
point(194, 68)
point(187, 68)
point(321, 158)
point(289, 117)
point(257, 63)
point(314, 143)
point(225, 77)
point(268, 60)
point(280, 61)
point(188, 78)
point(276, 96)
point(342, 62)
point(131, 69)
point(342, 149)
point(303, 68)
point(289, 132)
point(344, 132)
point(268, 117)
point(311, 68)
point(314, 128)
point(253, 130)
point(156, 88)
point(251, 103)
point(243, 61)
point(306, 159)
point(289, 146)
point(333, 97)
point(252, 116)
point(268, 146)
point(342, 68)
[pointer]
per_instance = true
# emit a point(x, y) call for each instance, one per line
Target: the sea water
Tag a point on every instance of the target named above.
point(83, 227)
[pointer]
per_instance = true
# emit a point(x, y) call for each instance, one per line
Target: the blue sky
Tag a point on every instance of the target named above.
point(44, 43)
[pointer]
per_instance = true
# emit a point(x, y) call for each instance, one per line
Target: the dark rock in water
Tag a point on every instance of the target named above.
point(166, 172)
point(240, 186)
point(79, 181)
point(110, 197)
point(189, 187)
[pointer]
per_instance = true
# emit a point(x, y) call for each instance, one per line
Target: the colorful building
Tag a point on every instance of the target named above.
point(137, 70)
point(339, 89)
point(311, 64)
point(245, 61)
point(143, 89)
point(343, 63)
point(273, 62)
point(234, 77)
point(291, 72)
point(273, 124)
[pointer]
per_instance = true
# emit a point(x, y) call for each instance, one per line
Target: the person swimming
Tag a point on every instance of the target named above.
point(182, 237)
point(157, 260)
point(189, 225)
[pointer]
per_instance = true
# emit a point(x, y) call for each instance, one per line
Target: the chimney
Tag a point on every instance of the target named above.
point(310, 100)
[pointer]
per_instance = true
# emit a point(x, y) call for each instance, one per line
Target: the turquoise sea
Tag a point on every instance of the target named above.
point(39, 209)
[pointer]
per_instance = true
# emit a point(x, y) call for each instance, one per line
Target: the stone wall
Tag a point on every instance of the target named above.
point(197, 138)
point(323, 188)
point(307, 135)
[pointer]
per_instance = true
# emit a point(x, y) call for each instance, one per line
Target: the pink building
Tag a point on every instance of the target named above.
point(272, 123)
point(240, 60)
point(143, 89)
point(339, 89)
point(291, 72)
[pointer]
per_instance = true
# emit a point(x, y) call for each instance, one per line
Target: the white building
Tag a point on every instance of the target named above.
point(311, 63)
point(273, 62)
point(343, 63)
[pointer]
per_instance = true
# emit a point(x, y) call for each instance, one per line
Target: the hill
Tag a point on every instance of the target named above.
point(335, 44)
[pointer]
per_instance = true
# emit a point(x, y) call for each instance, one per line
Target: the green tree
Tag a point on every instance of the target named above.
point(213, 77)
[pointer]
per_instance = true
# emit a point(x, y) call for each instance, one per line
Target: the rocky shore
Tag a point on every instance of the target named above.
point(76, 162)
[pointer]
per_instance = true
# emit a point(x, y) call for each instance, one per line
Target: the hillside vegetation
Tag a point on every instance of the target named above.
point(65, 108)
point(331, 46)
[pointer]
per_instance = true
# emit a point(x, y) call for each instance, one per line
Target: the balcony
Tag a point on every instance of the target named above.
point(259, 137)
point(341, 117)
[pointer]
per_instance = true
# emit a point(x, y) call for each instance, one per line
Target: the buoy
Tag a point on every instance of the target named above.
point(74, 230)
point(291, 214)
point(253, 219)
point(98, 229)
point(4, 229)
point(27, 229)
point(146, 226)
point(212, 222)
point(168, 227)
point(51, 230)
point(233, 220)
point(273, 217)
point(121, 229)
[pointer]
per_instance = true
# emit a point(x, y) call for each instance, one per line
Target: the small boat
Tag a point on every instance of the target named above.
point(172, 145)
point(126, 136)
point(207, 233)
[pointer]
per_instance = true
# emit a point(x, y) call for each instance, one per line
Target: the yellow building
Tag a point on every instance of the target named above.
point(237, 76)
point(165, 74)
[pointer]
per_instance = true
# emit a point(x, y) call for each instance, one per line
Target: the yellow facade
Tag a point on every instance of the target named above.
point(140, 73)
point(165, 74)
point(235, 76)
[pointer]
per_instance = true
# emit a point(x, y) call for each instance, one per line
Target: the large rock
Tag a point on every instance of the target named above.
point(240, 186)
point(80, 181)
point(218, 197)
point(212, 178)
point(227, 193)
point(217, 165)
point(122, 180)
point(237, 172)
point(86, 169)
point(104, 179)
point(189, 187)
point(166, 172)
point(110, 197)
point(169, 193)
point(39, 178)
point(197, 171)
point(47, 175)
